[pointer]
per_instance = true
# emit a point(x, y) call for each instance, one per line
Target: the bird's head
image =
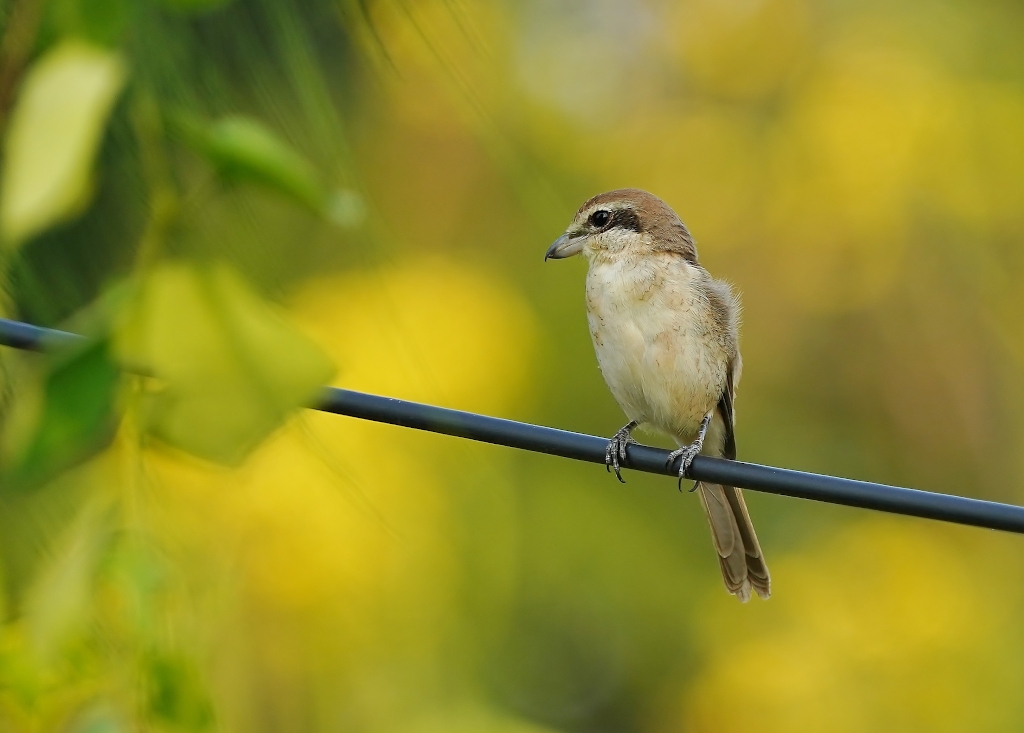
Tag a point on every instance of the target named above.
point(624, 222)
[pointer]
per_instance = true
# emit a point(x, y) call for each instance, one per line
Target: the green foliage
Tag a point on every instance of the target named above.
point(60, 604)
point(183, 353)
point(63, 418)
point(62, 110)
point(103, 22)
point(177, 696)
point(227, 367)
point(195, 6)
point(243, 150)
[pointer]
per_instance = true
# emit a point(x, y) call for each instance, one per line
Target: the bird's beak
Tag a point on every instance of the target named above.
point(564, 246)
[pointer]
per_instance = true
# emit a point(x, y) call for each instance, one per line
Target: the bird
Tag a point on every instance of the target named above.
point(666, 336)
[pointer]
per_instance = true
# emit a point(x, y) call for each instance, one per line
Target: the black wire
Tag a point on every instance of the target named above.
point(525, 436)
point(32, 338)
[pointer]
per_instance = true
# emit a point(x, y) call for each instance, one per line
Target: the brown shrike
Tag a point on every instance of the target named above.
point(667, 340)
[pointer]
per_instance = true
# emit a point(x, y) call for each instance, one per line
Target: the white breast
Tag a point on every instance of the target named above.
point(657, 343)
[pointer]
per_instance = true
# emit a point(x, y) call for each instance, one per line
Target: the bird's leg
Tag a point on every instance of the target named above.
point(615, 452)
point(689, 452)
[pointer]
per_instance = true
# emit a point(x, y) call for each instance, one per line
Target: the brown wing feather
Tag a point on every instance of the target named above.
point(725, 409)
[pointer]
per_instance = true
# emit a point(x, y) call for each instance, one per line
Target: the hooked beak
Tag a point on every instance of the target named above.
point(564, 246)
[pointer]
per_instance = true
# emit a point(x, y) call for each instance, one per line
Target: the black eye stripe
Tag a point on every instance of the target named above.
point(625, 219)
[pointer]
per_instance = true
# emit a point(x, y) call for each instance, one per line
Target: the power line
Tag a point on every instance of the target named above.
point(578, 446)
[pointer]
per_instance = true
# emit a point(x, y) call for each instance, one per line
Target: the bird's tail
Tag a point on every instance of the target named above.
point(739, 553)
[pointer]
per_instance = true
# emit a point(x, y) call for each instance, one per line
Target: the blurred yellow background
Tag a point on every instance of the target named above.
point(856, 170)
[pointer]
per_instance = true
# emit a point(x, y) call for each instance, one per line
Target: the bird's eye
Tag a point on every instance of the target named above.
point(600, 217)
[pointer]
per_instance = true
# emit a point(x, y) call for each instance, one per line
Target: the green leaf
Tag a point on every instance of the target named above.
point(54, 132)
point(68, 415)
point(242, 149)
point(229, 368)
point(176, 693)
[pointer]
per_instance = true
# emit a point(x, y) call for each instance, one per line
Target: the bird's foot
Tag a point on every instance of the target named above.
point(686, 454)
point(615, 452)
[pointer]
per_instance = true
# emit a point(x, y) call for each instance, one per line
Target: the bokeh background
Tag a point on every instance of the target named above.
point(241, 199)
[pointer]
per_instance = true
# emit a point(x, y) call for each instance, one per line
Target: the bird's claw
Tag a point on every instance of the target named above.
point(686, 454)
point(615, 451)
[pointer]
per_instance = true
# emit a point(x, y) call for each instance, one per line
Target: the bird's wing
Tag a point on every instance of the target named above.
point(725, 409)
